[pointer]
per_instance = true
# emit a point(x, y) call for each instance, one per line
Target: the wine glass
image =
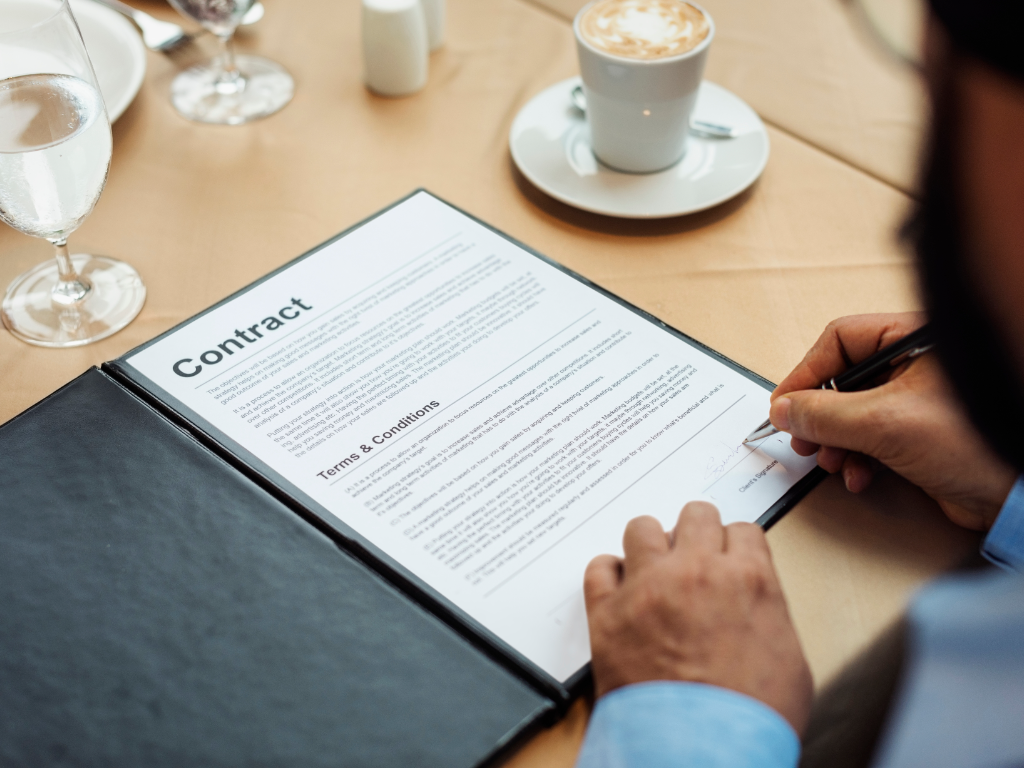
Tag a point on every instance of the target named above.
point(232, 89)
point(55, 147)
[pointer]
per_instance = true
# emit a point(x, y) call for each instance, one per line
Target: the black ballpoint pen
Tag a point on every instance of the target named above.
point(864, 373)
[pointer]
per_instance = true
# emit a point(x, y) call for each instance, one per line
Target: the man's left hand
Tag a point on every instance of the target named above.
point(700, 604)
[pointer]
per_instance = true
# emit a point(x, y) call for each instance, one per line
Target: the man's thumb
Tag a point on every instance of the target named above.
point(838, 419)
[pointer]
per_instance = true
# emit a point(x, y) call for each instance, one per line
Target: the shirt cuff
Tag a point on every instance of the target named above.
point(686, 725)
point(1004, 544)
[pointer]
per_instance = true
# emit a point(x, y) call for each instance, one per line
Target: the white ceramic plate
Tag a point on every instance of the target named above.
point(550, 144)
point(114, 45)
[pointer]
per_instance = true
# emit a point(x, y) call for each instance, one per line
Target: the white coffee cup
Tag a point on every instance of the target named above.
point(639, 109)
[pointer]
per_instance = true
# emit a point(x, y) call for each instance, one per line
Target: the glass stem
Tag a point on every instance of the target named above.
point(229, 75)
point(69, 289)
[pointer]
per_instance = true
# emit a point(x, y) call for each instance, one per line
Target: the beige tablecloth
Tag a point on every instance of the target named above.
point(202, 210)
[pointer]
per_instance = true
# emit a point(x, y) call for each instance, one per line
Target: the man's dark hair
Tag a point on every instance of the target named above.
point(988, 30)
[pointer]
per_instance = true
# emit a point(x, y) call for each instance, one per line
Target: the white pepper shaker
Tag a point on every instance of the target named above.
point(434, 11)
point(395, 46)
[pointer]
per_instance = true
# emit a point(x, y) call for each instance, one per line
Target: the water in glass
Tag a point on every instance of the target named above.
point(55, 148)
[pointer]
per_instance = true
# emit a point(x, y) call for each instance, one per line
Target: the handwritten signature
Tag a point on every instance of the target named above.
point(718, 464)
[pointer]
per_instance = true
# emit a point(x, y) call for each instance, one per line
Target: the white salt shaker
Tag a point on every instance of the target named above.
point(395, 46)
point(434, 11)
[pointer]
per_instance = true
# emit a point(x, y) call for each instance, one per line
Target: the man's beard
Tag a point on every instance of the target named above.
point(972, 349)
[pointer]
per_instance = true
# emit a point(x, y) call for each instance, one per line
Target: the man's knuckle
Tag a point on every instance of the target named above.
point(753, 578)
point(591, 581)
point(694, 575)
point(749, 530)
point(835, 325)
point(645, 599)
point(885, 414)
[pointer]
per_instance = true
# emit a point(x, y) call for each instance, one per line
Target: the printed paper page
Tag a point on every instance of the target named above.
point(485, 419)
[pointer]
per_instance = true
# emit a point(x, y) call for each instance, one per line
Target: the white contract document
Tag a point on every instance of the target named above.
point(484, 418)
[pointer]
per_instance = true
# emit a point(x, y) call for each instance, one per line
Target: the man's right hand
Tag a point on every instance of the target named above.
point(912, 423)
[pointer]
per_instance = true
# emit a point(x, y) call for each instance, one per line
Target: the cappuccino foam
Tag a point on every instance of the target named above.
point(644, 29)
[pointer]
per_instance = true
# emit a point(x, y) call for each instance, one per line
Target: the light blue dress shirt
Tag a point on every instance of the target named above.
point(662, 724)
point(1004, 544)
point(961, 703)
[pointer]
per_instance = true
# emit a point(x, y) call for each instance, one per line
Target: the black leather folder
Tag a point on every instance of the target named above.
point(159, 608)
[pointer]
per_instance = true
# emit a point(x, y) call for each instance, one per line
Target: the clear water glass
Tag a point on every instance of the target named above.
point(233, 88)
point(55, 147)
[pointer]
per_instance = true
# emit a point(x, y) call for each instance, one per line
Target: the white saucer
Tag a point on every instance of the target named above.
point(115, 47)
point(550, 144)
